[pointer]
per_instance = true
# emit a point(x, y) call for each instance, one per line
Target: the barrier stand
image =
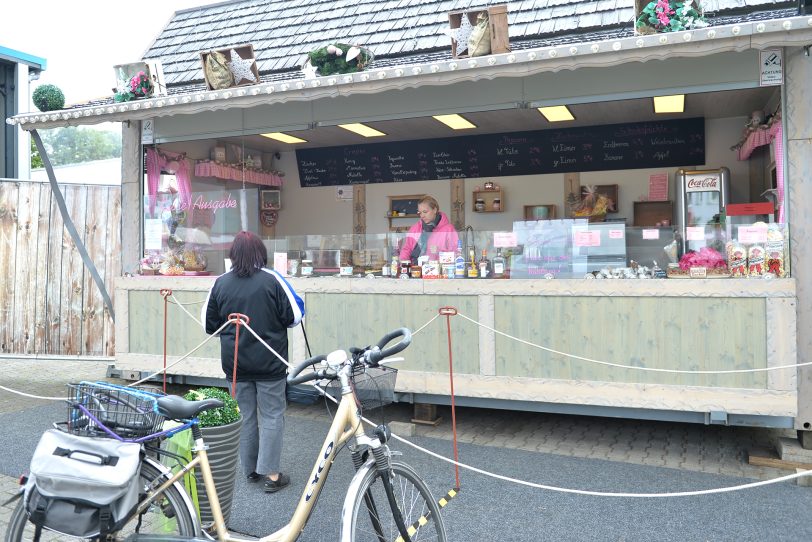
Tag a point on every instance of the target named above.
point(165, 293)
point(239, 319)
point(448, 312)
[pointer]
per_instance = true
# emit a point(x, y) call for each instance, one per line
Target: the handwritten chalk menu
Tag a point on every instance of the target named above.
point(638, 145)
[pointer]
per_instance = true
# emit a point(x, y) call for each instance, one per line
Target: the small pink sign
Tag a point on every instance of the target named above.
point(658, 187)
point(695, 233)
point(615, 234)
point(280, 262)
point(504, 239)
point(587, 239)
point(651, 234)
point(752, 234)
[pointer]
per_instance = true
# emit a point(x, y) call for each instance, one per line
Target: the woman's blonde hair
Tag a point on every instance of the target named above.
point(430, 201)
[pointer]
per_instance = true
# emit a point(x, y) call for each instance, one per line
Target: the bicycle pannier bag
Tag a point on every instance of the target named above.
point(81, 486)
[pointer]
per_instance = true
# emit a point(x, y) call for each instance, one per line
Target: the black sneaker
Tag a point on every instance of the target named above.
point(254, 477)
point(272, 486)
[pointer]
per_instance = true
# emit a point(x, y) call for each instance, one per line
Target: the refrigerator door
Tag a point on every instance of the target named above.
point(701, 198)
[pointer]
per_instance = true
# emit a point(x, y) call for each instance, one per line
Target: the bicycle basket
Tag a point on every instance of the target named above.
point(129, 412)
point(374, 388)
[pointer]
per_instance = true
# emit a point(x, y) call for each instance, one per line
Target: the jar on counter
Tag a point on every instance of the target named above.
point(416, 272)
point(479, 205)
point(405, 269)
point(293, 268)
point(307, 268)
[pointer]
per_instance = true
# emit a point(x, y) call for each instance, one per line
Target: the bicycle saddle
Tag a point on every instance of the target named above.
point(175, 407)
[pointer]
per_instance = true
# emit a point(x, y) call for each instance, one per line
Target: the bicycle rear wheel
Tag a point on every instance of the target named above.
point(372, 519)
point(168, 516)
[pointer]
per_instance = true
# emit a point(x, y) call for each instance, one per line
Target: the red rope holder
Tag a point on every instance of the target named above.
point(165, 293)
point(240, 319)
point(448, 312)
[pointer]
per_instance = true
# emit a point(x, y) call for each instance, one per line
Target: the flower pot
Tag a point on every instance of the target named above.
point(224, 446)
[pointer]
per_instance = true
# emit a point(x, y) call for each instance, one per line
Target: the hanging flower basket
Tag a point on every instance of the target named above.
point(339, 58)
point(668, 16)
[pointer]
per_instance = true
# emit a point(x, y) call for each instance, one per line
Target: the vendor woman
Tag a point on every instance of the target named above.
point(432, 234)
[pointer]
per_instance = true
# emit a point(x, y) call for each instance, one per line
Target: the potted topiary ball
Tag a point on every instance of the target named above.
point(48, 98)
point(221, 432)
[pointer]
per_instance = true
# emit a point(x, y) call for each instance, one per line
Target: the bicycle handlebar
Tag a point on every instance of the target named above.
point(371, 356)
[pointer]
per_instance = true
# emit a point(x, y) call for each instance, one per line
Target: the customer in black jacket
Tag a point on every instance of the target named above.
point(271, 306)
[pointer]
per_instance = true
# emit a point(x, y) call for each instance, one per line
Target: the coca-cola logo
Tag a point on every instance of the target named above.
point(708, 183)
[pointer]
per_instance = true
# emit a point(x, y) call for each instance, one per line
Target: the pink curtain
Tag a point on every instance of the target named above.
point(156, 162)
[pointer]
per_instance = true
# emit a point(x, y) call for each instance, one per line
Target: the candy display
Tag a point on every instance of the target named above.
point(755, 261)
point(775, 251)
point(737, 259)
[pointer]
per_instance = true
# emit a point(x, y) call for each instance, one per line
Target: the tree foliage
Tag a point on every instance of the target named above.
point(74, 145)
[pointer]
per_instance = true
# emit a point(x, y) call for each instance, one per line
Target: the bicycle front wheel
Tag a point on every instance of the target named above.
point(169, 515)
point(372, 518)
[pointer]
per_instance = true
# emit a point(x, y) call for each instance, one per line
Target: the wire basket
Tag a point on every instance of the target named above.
point(374, 387)
point(128, 412)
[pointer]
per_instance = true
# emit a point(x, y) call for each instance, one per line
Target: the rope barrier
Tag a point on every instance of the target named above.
point(649, 369)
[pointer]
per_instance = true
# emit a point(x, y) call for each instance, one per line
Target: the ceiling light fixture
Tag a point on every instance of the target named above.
point(456, 122)
point(284, 138)
point(556, 113)
point(669, 104)
point(362, 129)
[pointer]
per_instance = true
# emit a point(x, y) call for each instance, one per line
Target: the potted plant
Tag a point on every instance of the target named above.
point(48, 98)
point(338, 58)
point(221, 433)
point(668, 16)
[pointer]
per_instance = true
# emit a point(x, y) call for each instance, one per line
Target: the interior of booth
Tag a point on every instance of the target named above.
point(257, 183)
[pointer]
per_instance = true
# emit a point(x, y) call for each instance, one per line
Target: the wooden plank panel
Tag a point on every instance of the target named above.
point(343, 320)
point(57, 236)
point(43, 255)
point(25, 277)
point(8, 246)
point(113, 266)
point(667, 333)
point(95, 242)
point(73, 273)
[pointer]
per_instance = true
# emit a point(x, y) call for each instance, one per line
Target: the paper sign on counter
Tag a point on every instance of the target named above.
point(651, 234)
point(615, 234)
point(153, 229)
point(753, 234)
point(280, 263)
point(504, 239)
point(587, 239)
point(695, 233)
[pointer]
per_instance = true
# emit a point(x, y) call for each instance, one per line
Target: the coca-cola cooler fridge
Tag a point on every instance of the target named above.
point(701, 199)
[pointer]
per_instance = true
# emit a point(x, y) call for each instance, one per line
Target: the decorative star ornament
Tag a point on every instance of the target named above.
point(241, 68)
point(309, 70)
point(461, 34)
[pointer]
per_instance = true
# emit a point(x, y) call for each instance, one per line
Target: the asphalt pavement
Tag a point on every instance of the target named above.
point(574, 452)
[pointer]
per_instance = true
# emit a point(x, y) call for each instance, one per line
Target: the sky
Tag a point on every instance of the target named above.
point(82, 40)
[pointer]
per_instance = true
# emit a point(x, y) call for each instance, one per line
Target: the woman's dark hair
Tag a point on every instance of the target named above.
point(248, 254)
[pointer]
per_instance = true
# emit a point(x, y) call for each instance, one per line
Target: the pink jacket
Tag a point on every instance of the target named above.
point(444, 237)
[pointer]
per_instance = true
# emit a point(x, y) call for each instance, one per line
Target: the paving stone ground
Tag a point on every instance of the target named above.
point(708, 449)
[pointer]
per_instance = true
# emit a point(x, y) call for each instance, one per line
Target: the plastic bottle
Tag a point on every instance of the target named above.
point(459, 262)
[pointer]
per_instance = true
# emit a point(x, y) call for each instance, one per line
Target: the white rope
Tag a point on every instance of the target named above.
point(649, 369)
point(606, 493)
point(181, 305)
point(176, 302)
point(33, 396)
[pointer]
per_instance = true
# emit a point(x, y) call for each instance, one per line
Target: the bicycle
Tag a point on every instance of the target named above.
point(164, 508)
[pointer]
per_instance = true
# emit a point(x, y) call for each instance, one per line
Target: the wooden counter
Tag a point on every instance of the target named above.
point(713, 324)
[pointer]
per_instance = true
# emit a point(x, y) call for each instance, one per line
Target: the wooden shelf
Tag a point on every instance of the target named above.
point(530, 212)
point(649, 213)
point(488, 196)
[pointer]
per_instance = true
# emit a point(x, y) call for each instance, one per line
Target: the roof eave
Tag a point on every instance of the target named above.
point(790, 31)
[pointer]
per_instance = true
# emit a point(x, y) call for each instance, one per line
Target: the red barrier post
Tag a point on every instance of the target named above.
point(448, 312)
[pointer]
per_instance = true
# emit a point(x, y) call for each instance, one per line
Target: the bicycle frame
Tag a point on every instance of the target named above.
point(346, 425)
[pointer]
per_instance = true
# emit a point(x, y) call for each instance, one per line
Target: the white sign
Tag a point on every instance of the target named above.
point(651, 234)
point(771, 67)
point(504, 239)
point(147, 131)
point(344, 193)
point(153, 229)
point(695, 233)
point(704, 182)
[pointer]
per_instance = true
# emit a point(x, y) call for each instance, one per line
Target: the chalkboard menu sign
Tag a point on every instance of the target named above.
point(657, 144)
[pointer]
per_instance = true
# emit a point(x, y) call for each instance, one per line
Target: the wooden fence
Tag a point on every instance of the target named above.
point(49, 304)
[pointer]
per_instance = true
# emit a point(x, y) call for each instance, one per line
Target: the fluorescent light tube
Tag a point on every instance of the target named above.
point(456, 122)
point(556, 113)
point(362, 129)
point(284, 138)
point(669, 104)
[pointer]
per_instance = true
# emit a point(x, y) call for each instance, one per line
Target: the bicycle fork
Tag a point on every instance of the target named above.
point(382, 455)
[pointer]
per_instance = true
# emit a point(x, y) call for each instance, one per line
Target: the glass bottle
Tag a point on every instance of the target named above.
point(484, 265)
point(473, 271)
point(459, 262)
point(498, 265)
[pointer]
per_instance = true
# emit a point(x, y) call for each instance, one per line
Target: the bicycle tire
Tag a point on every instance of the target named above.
point(170, 517)
point(415, 501)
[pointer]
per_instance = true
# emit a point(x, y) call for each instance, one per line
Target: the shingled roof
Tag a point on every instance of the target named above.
point(398, 32)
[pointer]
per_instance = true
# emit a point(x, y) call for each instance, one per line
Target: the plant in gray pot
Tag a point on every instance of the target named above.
point(221, 433)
